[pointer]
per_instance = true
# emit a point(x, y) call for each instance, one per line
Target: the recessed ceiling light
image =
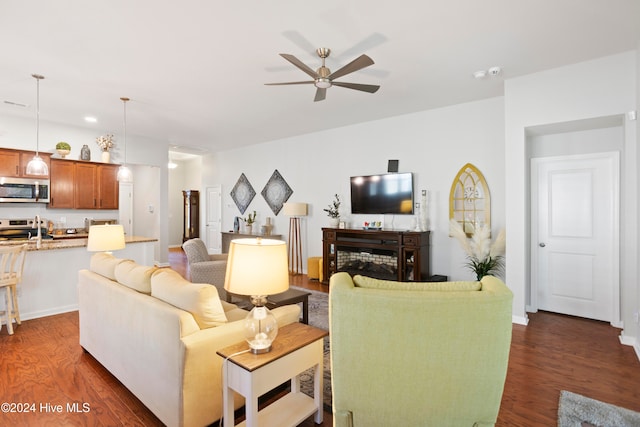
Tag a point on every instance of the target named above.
point(480, 74)
point(90, 119)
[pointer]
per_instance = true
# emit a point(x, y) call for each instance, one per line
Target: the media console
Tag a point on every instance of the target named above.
point(384, 254)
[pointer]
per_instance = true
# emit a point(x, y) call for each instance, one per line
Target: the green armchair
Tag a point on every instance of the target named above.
point(418, 354)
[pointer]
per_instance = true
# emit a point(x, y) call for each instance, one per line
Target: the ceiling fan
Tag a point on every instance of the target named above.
point(323, 78)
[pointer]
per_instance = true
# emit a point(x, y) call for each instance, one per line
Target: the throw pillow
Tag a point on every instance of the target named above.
point(104, 264)
point(371, 283)
point(135, 276)
point(199, 299)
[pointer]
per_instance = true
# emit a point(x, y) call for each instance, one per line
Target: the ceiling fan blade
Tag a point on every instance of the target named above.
point(306, 82)
point(357, 86)
point(295, 61)
point(357, 64)
point(321, 94)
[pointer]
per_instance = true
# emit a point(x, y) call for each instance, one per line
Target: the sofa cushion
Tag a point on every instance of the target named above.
point(199, 299)
point(104, 264)
point(371, 283)
point(135, 276)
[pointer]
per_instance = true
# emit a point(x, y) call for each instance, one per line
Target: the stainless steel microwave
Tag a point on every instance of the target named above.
point(24, 190)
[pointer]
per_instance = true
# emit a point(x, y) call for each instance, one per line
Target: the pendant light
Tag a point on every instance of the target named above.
point(37, 166)
point(124, 173)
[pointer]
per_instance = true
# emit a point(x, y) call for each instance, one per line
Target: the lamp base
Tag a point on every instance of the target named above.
point(262, 350)
point(261, 327)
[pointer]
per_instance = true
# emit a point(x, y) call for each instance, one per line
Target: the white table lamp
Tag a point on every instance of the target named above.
point(105, 238)
point(257, 268)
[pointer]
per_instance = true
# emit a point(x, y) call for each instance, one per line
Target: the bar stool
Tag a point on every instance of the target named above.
point(11, 268)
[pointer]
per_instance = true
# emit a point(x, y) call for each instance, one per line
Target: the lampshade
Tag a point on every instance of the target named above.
point(105, 238)
point(37, 166)
point(294, 209)
point(258, 267)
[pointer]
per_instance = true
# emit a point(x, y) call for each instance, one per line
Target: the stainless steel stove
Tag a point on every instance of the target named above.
point(22, 229)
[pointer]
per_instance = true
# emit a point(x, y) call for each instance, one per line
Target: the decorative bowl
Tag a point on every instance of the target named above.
point(63, 153)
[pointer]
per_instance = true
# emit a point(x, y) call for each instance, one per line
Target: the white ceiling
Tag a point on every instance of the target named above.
point(195, 69)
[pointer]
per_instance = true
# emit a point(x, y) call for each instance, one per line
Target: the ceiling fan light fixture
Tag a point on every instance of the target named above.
point(323, 83)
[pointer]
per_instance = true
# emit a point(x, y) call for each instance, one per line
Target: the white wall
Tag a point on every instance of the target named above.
point(599, 88)
point(434, 145)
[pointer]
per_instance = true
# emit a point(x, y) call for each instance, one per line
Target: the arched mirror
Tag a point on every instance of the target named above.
point(469, 199)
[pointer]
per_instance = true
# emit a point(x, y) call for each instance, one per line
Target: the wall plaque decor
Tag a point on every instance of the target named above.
point(469, 199)
point(242, 193)
point(276, 192)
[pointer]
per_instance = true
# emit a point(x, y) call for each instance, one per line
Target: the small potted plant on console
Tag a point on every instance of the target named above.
point(333, 211)
point(248, 222)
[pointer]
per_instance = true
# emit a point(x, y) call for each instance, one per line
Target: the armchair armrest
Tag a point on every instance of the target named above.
point(218, 257)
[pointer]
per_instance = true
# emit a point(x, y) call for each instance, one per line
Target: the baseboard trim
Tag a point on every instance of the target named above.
point(520, 320)
point(50, 312)
point(161, 264)
point(631, 341)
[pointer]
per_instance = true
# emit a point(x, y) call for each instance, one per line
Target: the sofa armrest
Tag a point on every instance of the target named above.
point(203, 367)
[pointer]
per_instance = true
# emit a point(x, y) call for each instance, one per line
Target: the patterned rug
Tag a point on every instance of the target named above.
point(580, 411)
point(319, 317)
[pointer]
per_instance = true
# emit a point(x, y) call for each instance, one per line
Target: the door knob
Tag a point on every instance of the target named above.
point(542, 245)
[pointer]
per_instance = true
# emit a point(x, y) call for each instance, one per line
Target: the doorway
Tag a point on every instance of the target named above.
point(213, 225)
point(125, 207)
point(575, 225)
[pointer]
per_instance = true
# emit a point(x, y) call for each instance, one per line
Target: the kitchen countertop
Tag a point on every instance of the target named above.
point(77, 242)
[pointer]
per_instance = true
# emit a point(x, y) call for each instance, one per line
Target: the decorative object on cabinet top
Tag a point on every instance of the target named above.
point(63, 149)
point(105, 142)
point(276, 192)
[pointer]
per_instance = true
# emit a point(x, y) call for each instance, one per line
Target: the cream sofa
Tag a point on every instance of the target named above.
point(158, 334)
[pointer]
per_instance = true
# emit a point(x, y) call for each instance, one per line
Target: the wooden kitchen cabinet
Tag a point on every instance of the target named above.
point(13, 163)
point(62, 184)
point(84, 185)
point(108, 194)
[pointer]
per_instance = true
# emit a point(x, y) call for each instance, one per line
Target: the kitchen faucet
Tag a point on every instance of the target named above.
point(38, 237)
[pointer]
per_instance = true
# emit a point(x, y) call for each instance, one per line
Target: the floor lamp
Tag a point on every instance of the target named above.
point(295, 211)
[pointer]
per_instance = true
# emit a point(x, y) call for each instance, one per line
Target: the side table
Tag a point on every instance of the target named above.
point(297, 348)
point(291, 296)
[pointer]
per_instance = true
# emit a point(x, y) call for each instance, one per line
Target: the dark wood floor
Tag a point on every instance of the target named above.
point(42, 364)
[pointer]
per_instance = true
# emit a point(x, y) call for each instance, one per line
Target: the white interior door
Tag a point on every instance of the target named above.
point(213, 224)
point(575, 226)
point(125, 207)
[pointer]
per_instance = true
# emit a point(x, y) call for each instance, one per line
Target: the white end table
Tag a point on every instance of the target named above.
point(297, 348)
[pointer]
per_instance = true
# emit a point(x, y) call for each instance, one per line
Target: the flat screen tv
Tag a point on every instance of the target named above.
point(382, 194)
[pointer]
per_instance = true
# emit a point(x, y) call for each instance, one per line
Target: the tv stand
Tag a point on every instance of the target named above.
point(384, 254)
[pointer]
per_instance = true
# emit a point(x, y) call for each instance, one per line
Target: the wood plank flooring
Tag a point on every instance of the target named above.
point(42, 366)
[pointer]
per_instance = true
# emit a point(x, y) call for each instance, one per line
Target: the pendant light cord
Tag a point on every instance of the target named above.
point(124, 101)
point(38, 77)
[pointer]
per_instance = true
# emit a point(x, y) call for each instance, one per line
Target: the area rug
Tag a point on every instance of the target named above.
point(319, 317)
point(580, 411)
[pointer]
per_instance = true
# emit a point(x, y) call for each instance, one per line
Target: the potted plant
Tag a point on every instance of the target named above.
point(484, 257)
point(333, 211)
point(248, 222)
point(63, 149)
